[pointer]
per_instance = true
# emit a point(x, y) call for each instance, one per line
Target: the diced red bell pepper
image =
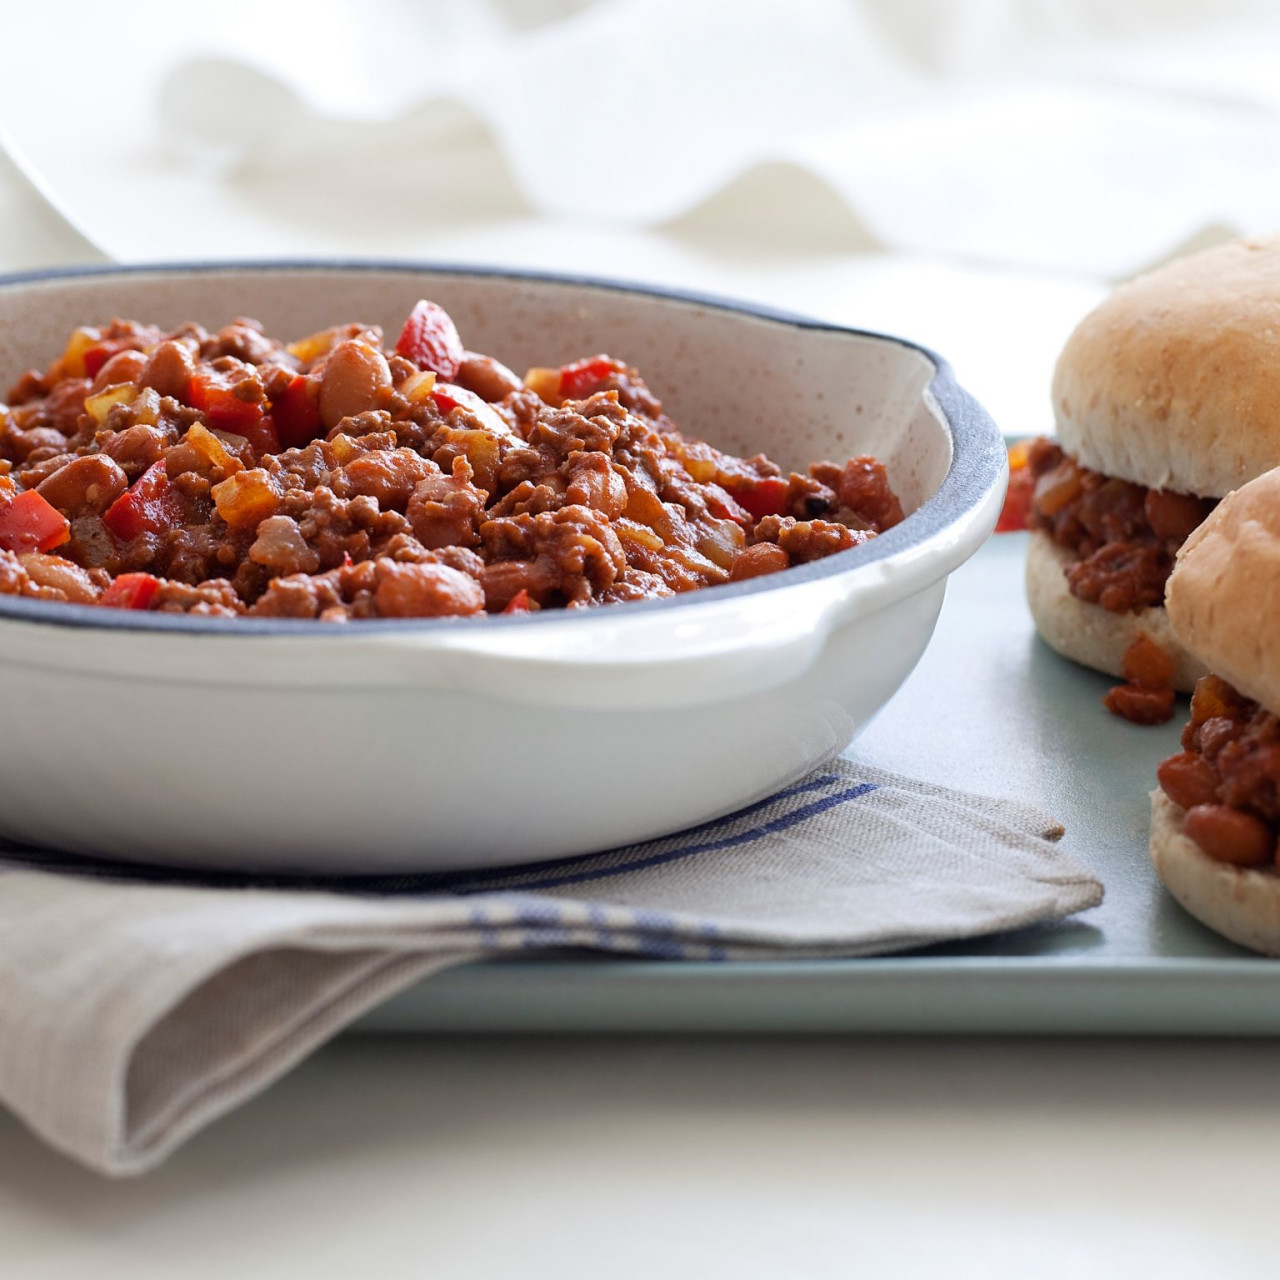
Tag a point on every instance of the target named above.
point(150, 506)
point(30, 522)
point(446, 397)
point(579, 379)
point(430, 339)
point(130, 591)
point(519, 603)
point(98, 355)
point(1017, 503)
point(213, 393)
point(296, 418)
point(765, 497)
point(722, 504)
point(1016, 511)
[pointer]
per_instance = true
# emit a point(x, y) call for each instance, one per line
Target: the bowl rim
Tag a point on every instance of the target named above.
point(978, 462)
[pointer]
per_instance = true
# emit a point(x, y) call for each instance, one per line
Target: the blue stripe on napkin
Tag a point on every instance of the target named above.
point(518, 878)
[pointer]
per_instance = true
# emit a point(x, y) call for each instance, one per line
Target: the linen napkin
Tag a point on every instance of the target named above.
point(136, 1006)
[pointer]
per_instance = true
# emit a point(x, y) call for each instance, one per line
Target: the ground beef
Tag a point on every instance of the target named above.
point(1227, 777)
point(1122, 537)
point(215, 597)
point(232, 473)
point(1147, 696)
point(382, 587)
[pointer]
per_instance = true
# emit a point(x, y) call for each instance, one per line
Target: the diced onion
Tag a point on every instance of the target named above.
point(71, 363)
point(97, 407)
point(211, 449)
point(417, 387)
point(544, 383)
point(246, 498)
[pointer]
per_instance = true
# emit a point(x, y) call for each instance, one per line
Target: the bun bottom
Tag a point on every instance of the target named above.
point(1089, 634)
point(1238, 902)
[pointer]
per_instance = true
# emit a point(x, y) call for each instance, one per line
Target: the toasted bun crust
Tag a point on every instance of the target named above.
point(1224, 595)
point(1087, 633)
point(1237, 902)
point(1174, 381)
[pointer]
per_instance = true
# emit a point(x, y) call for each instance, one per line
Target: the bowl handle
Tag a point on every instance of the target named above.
point(666, 659)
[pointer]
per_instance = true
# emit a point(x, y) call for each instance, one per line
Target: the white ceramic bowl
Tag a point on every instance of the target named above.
point(419, 745)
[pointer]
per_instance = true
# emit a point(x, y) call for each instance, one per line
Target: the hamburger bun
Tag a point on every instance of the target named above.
point(1238, 902)
point(1223, 597)
point(1222, 602)
point(1087, 633)
point(1173, 382)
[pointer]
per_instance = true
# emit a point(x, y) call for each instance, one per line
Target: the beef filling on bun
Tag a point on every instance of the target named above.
point(1166, 397)
point(1215, 819)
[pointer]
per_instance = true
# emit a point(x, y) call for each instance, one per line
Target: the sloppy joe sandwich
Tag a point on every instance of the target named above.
point(1215, 820)
point(1166, 397)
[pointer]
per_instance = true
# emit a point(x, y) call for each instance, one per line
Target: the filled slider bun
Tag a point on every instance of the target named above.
point(1215, 820)
point(1090, 635)
point(1166, 398)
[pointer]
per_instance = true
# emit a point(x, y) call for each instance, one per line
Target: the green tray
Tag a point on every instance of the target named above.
point(989, 709)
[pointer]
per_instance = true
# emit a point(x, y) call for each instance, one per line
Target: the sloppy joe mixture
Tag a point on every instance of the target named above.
point(1227, 777)
point(334, 477)
point(1123, 538)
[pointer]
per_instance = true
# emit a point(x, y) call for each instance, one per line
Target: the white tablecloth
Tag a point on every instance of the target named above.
point(747, 1160)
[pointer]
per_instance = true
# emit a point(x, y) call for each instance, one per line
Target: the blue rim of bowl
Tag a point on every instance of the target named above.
point(977, 460)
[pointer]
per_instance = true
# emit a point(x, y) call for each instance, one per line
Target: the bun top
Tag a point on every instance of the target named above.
point(1174, 381)
point(1223, 597)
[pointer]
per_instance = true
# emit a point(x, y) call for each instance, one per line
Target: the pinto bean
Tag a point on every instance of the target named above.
point(168, 369)
point(56, 574)
point(1215, 734)
point(85, 486)
point(21, 443)
point(38, 469)
point(1187, 780)
point(425, 591)
point(1230, 835)
point(124, 366)
point(490, 379)
point(755, 562)
point(136, 448)
point(352, 376)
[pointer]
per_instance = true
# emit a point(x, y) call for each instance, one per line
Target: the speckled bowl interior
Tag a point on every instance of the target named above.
point(746, 383)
